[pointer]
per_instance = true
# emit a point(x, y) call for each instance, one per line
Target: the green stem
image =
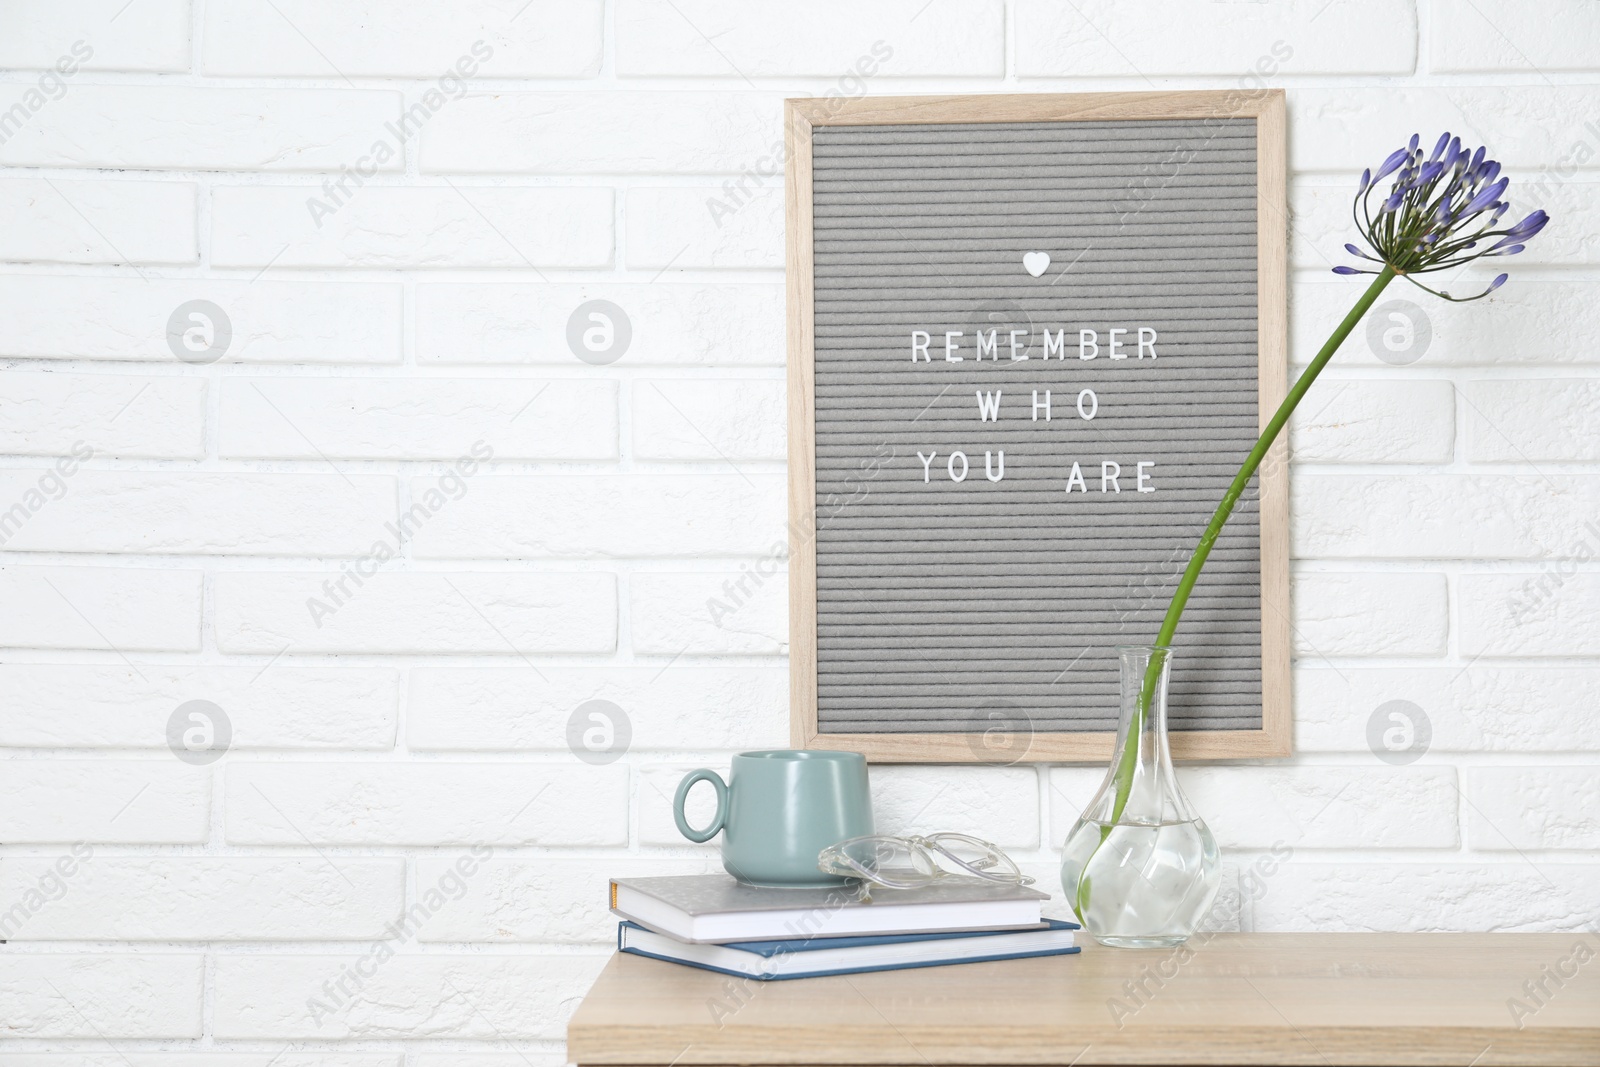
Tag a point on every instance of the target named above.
point(1180, 598)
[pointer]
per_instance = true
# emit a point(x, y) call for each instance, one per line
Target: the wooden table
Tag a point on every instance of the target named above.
point(1316, 999)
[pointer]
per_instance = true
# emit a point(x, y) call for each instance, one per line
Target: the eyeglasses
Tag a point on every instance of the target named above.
point(910, 862)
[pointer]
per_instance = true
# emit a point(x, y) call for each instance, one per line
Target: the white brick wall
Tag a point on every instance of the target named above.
point(154, 37)
point(404, 212)
point(180, 128)
point(101, 222)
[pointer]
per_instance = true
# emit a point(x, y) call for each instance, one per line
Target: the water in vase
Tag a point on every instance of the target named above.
point(1148, 885)
point(1140, 868)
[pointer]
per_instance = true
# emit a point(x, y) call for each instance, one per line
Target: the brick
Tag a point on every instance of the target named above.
point(513, 709)
point(1525, 322)
point(100, 608)
point(1554, 611)
point(831, 38)
point(1476, 708)
point(510, 899)
point(1537, 127)
point(709, 613)
point(80, 705)
point(158, 801)
point(1533, 420)
point(700, 419)
point(1361, 421)
point(60, 220)
point(189, 898)
point(115, 415)
point(1296, 807)
point(103, 996)
point(1326, 807)
point(608, 133)
point(697, 325)
point(269, 322)
point(608, 517)
point(1320, 217)
point(497, 613)
point(1445, 516)
point(1252, 45)
point(174, 127)
point(684, 228)
point(131, 1058)
point(1494, 35)
point(489, 998)
point(1516, 808)
point(999, 804)
point(426, 804)
point(421, 418)
point(377, 227)
point(172, 512)
point(1429, 897)
point(150, 37)
point(405, 38)
point(1379, 614)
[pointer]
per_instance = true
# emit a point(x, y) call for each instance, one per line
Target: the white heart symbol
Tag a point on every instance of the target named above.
point(1036, 263)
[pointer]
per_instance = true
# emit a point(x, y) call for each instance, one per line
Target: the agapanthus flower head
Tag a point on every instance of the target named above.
point(1436, 212)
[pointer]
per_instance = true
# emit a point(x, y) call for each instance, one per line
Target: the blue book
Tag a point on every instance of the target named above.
point(768, 961)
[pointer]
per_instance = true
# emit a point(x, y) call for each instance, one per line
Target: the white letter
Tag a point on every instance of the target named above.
point(1114, 343)
point(1399, 337)
point(318, 209)
point(1014, 335)
point(200, 336)
point(1144, 475)
point(1058, 342)
point(1076, 479)
point(598, 337)
point(988, 406)
point(1088, 344)
point(989, 471)
point(598, 738)
point(926, 462)
point(1147, 342)
point(950, 466)
point(201, 735)
point(1094, 408)
point(989, 346)
point(950, 346)
point(1109, 472)
point(1045, 405)
point(1399, 737)
point(920, 346)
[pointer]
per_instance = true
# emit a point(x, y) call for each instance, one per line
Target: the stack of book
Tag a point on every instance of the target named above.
point(714, 922)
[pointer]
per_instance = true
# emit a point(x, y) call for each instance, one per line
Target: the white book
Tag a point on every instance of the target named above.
point(714, 908)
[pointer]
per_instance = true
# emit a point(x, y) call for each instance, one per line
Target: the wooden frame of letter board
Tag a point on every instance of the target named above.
point(1267, 108)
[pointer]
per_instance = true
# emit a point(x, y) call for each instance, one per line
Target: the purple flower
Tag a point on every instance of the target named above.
point(1436, 212)
point(1487, 197)
point(1528, 226)
point(1390, 165)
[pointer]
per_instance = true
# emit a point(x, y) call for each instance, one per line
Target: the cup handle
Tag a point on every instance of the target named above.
point(717, 821)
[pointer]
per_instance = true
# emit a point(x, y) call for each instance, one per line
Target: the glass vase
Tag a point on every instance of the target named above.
point(1140, 867)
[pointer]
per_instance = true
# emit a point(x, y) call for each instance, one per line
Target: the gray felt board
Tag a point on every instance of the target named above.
point(942, 604)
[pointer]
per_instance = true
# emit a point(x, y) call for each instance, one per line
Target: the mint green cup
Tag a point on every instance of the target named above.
point(778, 809)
